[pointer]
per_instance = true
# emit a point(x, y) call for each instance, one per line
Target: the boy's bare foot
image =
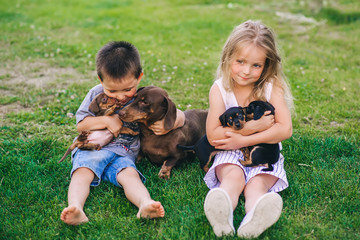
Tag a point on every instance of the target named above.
point(73, 216)
point(151, 209)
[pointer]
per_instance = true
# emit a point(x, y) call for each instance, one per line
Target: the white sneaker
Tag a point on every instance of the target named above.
point(218, 210)
point(265, 213)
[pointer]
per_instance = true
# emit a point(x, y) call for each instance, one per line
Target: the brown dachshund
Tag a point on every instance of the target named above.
point(101, 105)
point(152, 104)
point(235, 117)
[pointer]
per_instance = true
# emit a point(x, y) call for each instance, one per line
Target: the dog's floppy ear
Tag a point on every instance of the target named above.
point(261, 107)
point(222, 119)
point(166, 111)
point(258, 112)
point(170, 115)
point(270, 107)
point(94, 105)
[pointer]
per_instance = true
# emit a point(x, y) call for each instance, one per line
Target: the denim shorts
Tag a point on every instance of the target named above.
point(105, 164)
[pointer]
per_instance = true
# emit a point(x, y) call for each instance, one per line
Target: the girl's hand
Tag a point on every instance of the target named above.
point(231, 142)
point(262, 124)
point(101, 137)
point(114, 124)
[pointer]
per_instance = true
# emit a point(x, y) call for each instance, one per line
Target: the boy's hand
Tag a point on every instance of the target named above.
point(159, 129)
point(114, 124)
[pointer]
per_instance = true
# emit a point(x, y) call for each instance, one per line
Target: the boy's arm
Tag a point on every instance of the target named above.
point(87, 121)
point(112, 123)
point(159, 129)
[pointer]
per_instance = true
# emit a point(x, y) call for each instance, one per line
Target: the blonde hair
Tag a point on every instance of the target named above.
point(243, 35)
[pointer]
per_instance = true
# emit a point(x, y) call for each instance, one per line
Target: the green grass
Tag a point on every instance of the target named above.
point(47, 63)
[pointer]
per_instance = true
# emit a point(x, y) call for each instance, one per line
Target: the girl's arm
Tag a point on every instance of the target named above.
point(281, 130)
point(215, 131)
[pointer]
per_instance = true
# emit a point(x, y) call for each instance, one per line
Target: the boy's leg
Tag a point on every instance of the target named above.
point(137, 193)
point(77, 194)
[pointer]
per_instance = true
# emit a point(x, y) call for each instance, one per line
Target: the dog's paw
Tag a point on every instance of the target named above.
point(165, 173)
point(245, 163)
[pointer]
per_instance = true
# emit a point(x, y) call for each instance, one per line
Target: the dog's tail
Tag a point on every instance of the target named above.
point(68, 151)
point(186, 148)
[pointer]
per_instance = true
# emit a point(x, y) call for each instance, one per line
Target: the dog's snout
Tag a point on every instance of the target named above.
point(122, 114)
point(237, 125)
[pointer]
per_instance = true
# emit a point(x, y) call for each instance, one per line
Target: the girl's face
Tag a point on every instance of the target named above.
point(248, 64)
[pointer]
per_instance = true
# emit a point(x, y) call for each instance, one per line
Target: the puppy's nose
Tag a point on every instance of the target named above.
point(121, 114)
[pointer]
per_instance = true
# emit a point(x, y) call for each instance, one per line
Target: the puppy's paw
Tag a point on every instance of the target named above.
point(245, 163)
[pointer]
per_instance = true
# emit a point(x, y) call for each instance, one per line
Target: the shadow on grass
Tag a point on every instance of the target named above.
point(337, 17)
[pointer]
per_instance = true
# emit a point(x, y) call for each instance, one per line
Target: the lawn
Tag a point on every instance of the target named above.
point(47, 65)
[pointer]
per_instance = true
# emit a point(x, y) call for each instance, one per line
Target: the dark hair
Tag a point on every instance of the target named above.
point(118, 60)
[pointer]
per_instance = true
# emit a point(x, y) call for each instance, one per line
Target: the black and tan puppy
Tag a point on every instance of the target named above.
point(101, 105)
point(152, 104)
point(262, 154)
point(235, 117)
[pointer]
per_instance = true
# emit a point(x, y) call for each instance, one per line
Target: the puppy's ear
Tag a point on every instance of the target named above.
point(258, 112)
point(242, 113)
point(94, 105)
point(170, 115)
point(270, 107)
point(222, 119)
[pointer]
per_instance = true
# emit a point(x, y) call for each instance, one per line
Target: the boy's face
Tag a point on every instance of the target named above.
point(123, 90)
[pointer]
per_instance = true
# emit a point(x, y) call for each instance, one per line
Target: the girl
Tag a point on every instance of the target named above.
point(250, 69)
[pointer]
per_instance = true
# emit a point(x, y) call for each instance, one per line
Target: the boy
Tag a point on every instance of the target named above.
point(119, 70)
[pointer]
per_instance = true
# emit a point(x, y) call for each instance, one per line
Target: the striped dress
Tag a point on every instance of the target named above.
point(232, 156)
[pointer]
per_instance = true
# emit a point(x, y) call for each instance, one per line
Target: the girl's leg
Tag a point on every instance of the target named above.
point(263, 209)
point(220, 202)
point(257, 187)
point(77, 194)
point(136, 192)
point(232, 180)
